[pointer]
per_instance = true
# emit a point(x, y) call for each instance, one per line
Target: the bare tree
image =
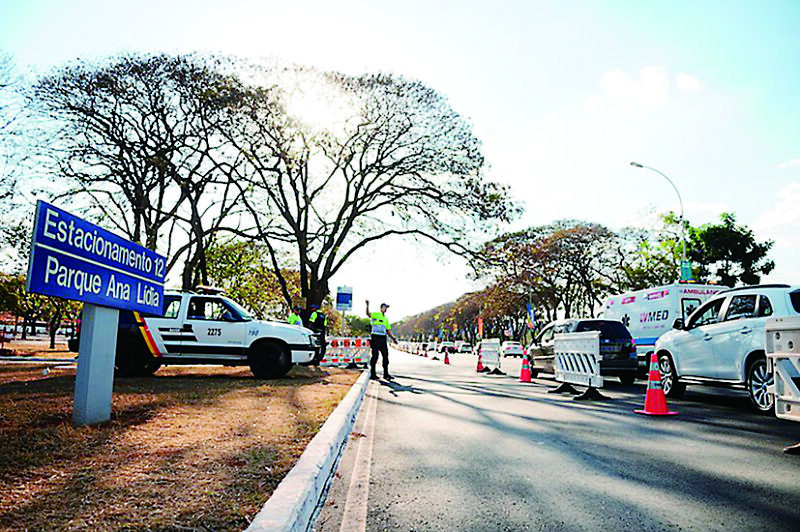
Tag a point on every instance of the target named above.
point(11, 157)
point(395, 160)
point(138, 137)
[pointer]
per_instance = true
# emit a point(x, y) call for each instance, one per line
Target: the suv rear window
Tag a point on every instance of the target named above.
point(795, 297)
point(608, 329)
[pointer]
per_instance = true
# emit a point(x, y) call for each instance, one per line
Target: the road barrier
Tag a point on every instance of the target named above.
point(655, 402)
point(490, 356)
point(783, 361)
point(577, 361)
point(341, 352)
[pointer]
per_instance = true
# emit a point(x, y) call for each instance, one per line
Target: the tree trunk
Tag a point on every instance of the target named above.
point(53, 331)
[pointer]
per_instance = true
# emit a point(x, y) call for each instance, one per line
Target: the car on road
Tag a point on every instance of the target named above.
point(446, 347)
point(723, 342)
point(511, 349)
point(463, 347)
point(209, 328)
point(616, 347)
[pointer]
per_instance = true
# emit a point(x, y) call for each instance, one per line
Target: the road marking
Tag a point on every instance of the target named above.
point(354, 516)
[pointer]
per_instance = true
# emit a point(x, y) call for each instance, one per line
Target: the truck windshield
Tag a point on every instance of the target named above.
point(246, 316)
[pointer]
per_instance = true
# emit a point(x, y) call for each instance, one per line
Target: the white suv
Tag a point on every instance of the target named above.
point(723, 342)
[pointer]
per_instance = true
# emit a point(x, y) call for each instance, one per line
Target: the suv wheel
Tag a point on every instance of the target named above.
point(269, 361)
point(669, 380)
point(758, 381)
point(627, 379)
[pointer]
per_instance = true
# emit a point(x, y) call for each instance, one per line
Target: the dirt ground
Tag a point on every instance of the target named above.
point(191, 448)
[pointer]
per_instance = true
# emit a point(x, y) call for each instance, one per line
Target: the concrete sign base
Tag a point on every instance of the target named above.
point(94, 381)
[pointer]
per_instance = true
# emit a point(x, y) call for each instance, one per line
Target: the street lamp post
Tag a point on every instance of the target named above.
point(680, 201)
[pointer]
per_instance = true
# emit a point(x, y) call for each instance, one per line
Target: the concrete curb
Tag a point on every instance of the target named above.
point(292, 506)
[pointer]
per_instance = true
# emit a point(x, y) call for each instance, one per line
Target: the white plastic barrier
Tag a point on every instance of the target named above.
point(577, 359)
point(783, 361)
point(490, 354)
point(342, 352)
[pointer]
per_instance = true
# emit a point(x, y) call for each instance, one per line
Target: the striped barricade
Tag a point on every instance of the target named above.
point(577, 361)
point(490, 356)
point(344, 351)
point(783, 361)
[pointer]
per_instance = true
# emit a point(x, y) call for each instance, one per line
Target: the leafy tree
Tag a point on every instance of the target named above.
point(398, 161)
point(239, 268)
point(562, 267)
point(644, 258)
point(358, 326)
point(730, 252)
point(17, 301)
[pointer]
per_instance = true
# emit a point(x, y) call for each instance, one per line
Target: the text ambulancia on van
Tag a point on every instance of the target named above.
point(649, 313)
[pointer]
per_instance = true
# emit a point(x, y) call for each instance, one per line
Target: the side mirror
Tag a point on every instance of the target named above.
point(678, 323)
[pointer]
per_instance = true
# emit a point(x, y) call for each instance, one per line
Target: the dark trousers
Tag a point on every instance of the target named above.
point(378, 343)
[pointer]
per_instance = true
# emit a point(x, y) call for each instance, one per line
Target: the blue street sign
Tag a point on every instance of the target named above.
point(344, 298)
point(75, 259)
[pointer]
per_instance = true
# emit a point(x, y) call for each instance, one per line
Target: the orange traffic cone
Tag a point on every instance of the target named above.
point(480, 367)
point(525, 374)
point(655, 402)
point(446, 357)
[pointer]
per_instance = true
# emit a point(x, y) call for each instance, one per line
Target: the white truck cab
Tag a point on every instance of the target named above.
point(651, 312)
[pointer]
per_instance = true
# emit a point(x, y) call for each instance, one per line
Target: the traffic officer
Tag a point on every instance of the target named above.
point(294, 316)
point(381, 328)
point(318, 322)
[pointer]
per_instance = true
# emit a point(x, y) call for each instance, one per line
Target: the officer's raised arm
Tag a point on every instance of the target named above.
point(367, 302)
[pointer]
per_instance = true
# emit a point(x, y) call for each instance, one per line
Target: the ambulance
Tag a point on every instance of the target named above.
point(651, 312)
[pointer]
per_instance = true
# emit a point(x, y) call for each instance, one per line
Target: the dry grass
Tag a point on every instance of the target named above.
point(195, 448)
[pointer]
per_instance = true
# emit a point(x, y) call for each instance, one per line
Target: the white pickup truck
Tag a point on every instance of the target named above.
point(200, 328)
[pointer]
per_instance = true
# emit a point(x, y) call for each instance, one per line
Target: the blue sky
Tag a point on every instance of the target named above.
point(564, 94)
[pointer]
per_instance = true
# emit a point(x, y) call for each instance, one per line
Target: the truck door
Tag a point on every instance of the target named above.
point(161, 334)
point(212, 329)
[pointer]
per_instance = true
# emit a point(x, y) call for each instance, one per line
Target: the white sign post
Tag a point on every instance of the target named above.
point(344, 302)
point(94, 380)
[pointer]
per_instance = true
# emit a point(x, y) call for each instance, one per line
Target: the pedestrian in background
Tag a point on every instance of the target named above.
point(381, 328)
point(294, 316)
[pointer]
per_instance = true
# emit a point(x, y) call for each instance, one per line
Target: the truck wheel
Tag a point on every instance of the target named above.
point(669, 380)
point(150, 366)
point(758, 380)
point(127, 364)
point(269, 361)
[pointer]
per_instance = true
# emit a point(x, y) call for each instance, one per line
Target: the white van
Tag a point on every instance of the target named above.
point(649, 313)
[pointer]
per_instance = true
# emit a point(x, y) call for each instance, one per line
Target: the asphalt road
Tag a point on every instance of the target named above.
point(446, 448)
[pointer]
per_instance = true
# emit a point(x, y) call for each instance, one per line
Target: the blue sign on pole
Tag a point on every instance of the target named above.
point(75, 259)
point(344, 298)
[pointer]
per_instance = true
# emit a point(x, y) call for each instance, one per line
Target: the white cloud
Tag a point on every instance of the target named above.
point(781, 222)
point(649, 90)
point(790, 164)
point(687, 82)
